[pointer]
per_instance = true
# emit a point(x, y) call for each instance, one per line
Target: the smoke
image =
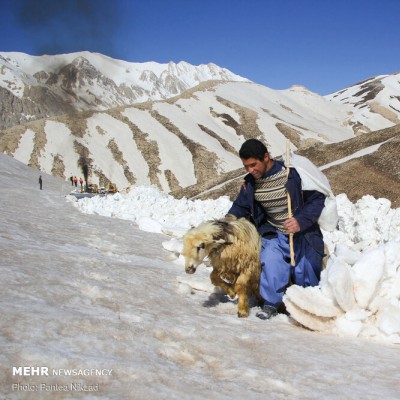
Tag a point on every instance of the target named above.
point(65, 26)
point(85, 170)
point(84, 162)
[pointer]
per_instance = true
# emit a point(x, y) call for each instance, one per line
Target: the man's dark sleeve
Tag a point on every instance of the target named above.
point(241, 207)
point(314, 202)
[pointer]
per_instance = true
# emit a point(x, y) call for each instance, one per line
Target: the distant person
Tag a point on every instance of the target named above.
point(76, 181)
point(264, 199)
point(72, 180)
point(40, 182)
point(81, 182)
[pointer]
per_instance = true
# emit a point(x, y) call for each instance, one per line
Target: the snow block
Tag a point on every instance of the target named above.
point(311, 300)
point(366, 279)
point(310, 321)
point(348, 255)
point(339, 277)
point(344, 327)
point(388, 320)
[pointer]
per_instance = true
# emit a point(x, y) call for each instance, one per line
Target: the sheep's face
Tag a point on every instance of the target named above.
point(194, 251)
point(199, 242)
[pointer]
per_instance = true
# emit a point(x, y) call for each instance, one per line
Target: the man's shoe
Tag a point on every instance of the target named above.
point(267, 312)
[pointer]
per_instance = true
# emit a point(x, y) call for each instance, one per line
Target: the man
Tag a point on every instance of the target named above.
point(264, 199)
point(40, 182)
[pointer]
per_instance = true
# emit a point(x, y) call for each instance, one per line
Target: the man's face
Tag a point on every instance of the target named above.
point(256, 167)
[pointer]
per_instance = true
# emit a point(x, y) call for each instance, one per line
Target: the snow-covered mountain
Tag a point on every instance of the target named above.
point(375, 102)
point(33, 87)
point(178, 142)
point(172, 142)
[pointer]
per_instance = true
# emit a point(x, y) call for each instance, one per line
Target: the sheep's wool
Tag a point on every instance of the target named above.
point(271, 193)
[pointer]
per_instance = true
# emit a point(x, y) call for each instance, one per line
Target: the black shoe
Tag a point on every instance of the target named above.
point(267, 312)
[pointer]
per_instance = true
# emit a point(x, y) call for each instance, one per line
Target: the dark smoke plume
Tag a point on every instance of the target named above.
point(85, 170)
point(65, 26)
point(84, 163)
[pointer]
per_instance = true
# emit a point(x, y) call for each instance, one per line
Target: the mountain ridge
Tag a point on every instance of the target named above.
point(34, 87)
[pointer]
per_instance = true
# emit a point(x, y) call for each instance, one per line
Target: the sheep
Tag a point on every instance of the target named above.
point(233, 249)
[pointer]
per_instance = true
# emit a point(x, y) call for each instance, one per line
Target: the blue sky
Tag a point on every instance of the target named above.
point(322, 44)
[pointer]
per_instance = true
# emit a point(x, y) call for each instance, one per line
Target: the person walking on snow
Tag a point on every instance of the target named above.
point(40, 182)
point(263, 198)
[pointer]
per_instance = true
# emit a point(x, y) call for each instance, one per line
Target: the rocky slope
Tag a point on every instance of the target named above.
point(367, 164)
point(177, 142)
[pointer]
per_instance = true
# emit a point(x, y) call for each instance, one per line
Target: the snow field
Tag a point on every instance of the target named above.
point(358, 293)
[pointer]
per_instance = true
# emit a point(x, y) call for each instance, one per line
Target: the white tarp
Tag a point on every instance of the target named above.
point(313, 179)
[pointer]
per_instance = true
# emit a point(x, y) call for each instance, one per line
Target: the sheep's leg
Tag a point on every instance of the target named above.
point(217, 281)
point(241, 290)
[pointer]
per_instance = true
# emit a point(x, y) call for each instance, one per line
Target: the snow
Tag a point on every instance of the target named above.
point(25, 147)
point(101, 129)
point(361, 269)
point(147, 203)
point(312, 115)
point(59, 141)
point(122, 72)
point(386, 97)
point(174, 156)
point(84, 292)
point(192, 130)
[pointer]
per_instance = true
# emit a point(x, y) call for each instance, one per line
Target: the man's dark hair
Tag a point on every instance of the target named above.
point(253, 148)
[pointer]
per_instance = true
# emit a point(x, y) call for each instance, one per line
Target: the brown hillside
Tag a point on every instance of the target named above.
point(376, 174)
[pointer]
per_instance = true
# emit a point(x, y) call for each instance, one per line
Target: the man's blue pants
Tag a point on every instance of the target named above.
point(277, 272)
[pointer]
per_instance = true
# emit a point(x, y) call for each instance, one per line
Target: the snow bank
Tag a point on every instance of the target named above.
point(362, 278)
point(359, 292)
point(155, 211)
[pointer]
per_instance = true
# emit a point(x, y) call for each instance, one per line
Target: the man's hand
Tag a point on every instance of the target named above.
point(291, 225)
